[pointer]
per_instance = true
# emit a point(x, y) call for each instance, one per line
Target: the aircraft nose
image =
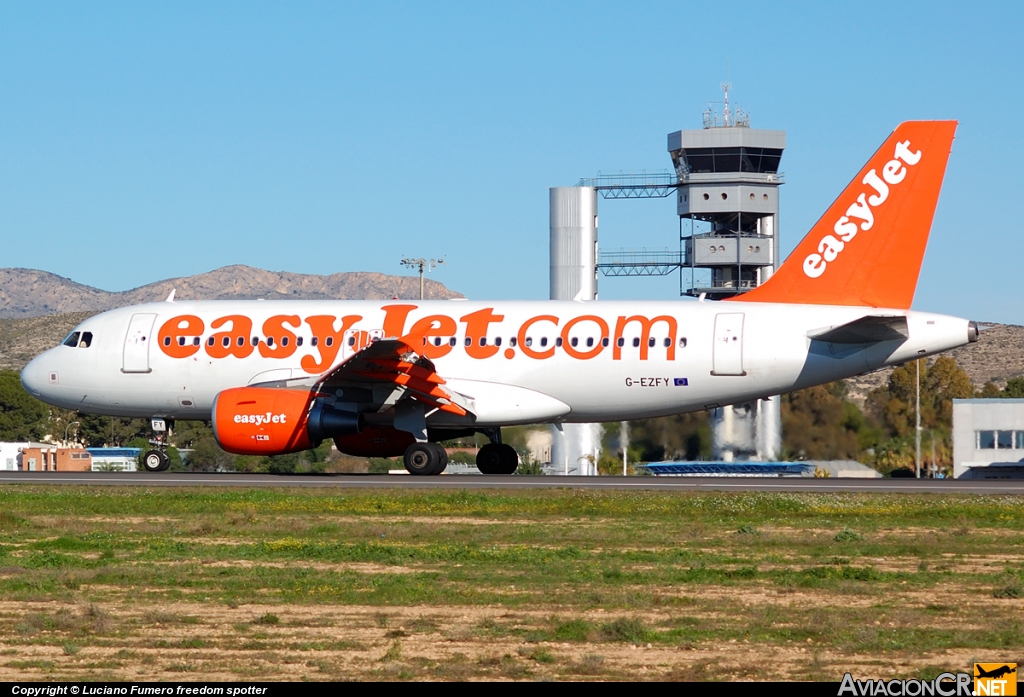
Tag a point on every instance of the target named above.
point(34, 377)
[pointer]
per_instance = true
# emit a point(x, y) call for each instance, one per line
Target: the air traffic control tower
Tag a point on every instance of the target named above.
point(728, 203)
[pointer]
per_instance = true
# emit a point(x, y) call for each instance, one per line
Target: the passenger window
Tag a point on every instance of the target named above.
point(668, 342)
point(298, 341)
point(529, 341)
point(209, 342)
point(351, 341)
point(270, 341)
point(241, 341)
point(329, 341)
point(284, 341)
point(255, 341)
point(497, 341)
point(181, 341)
point(437, 341)
point(167, 341)
point(86, 340)
point(483, 341)
point(468, 342)
point(543, 341)
point(227, 341)
point(604, 341)
point(636, 342)
point(620, 342)
point(650, 342)
point(313, 341)
point(512, 341)
point(558, 341)
point(195, 341)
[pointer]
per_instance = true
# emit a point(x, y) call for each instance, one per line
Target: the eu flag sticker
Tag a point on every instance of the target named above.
point(681, 382)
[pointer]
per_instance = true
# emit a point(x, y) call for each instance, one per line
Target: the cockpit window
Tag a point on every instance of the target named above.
point(86, 340)
point(72, 339)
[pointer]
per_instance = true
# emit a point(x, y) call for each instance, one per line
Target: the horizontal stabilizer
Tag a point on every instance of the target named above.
point(866, 330)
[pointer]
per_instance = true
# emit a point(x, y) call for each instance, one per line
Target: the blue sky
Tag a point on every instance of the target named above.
point(140, 141)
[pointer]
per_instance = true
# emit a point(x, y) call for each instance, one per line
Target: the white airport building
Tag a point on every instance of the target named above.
point(988, 438)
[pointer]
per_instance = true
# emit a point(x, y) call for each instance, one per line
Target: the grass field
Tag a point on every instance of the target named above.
point(283, 584)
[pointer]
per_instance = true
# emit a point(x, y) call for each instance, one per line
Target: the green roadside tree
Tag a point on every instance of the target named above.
point(22, 417)
point(1014, 388)
point(818, 423)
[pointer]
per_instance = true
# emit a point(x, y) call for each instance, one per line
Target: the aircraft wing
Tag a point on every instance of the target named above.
point(395, 364)
point(866, 330)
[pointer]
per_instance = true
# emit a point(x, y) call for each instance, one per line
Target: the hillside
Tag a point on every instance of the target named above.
point(26, 293)
point(997, 356)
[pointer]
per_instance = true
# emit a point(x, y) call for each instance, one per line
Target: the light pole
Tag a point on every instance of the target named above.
point(917, 417)
point(428, 264)
point(73, 423)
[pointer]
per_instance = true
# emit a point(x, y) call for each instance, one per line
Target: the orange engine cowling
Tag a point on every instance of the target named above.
point(274, 421)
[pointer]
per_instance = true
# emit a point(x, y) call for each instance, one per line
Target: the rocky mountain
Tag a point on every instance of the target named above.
point(26, 293)
point(997, 356)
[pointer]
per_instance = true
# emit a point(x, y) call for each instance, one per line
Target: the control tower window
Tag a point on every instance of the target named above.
point(703, 160)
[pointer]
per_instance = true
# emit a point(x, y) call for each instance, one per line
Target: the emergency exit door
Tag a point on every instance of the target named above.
point(727, 358)
point(136, 343)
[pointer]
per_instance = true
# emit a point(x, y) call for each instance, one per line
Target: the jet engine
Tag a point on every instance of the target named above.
point(274, 421)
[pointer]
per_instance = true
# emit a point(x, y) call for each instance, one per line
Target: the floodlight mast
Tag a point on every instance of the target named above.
point(428, 264)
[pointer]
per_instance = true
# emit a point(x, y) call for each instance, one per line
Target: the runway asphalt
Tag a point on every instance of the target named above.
point(357, 481)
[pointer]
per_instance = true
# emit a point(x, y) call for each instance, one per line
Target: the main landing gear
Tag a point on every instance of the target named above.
point(496, 457)
point(425, 458)
point(156, 460)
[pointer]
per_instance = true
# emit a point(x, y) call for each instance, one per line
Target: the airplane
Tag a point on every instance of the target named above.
point(395, 378)
point(995, 673)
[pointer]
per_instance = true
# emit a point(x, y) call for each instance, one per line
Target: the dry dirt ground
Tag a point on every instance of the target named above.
point(241, 586)
point(185, 641)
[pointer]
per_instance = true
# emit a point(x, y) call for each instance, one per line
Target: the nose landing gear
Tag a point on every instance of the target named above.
point(156, 460)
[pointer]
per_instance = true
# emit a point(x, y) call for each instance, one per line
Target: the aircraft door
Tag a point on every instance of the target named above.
point(355, 340)
point(136, 344)
point(727, 358)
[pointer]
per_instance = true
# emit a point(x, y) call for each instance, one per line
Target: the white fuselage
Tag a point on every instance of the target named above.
point(695, 355)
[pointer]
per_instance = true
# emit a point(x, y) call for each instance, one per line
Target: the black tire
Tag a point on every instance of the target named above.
point(155, 461)
point(423, 459)
point(442, 458)
point(489, 459)
point(509, 459)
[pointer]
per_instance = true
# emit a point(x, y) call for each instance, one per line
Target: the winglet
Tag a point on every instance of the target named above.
point(868, 247)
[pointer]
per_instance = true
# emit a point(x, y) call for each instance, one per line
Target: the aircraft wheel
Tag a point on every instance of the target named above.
point(155, 461)
point(442, 458)
point(424, 459)
point(509, 459)
point(489, 459)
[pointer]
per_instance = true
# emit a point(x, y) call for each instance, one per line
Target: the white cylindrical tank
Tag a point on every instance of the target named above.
point(769, 428)
point(576, 447)
point(574, 243)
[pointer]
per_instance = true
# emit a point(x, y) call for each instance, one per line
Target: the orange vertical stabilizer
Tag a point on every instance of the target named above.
point(868, 247)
